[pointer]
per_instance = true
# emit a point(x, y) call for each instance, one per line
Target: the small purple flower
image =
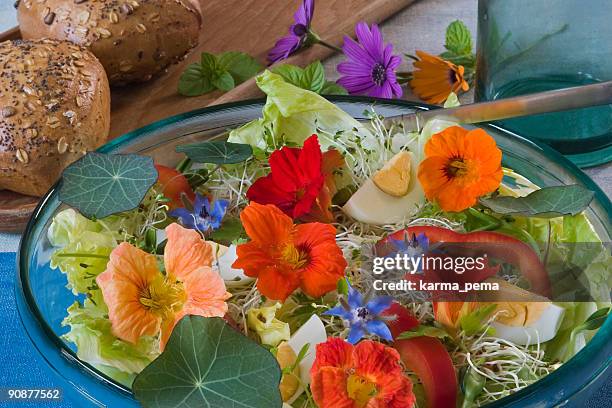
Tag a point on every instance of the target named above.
point(298, 33)
point(370, 68)
point(362, 316)
point(202, 217)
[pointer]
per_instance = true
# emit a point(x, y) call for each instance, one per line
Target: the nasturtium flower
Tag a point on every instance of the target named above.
point(301, 181)
point(366, 375)
point(298, 33)
point(460, 166)
point(435, 78)
point(205, 216)
point(263, 321)
point(370, 68)
point(142, 301)
point(363, 316)
point(91, 332)
point(284, 256)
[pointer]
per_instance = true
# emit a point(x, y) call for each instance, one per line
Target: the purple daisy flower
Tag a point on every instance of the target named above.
point(298, 33)
point(370, 68)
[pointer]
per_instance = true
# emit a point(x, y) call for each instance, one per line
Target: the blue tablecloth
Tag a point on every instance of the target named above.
point(22, 367)
point(20, 364)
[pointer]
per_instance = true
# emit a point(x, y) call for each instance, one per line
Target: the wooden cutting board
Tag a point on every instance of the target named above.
point(251, 26)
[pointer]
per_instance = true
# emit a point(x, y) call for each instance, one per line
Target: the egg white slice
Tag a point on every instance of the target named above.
point(542, 330)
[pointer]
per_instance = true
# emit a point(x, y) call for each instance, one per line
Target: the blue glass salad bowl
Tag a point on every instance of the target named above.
point(42, 296)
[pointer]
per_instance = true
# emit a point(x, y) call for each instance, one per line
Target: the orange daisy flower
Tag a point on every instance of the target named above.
point(142, 301)
point(367, 375)
point(435, 78)
point(284, 256)
point(459, 167)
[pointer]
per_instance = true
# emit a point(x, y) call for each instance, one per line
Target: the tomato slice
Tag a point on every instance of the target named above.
point(494, 244)
point(426, 357)
point(173, 184)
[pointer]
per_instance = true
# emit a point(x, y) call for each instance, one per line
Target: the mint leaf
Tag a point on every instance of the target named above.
point(240, 65)
point(207, 363)
point(217, 152)
point(458, 38)
point(99, 185)
point(474, 321)
point(194, 81)
point(222, 72)
point(209, 63)
point(548, 202)
point(313, 77)
point(290, 73)
point(224, 81)
point(332, 88)
point(422, 330)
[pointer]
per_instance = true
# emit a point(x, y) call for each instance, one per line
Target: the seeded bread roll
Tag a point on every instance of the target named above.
point(54, 107)
point(133, 39)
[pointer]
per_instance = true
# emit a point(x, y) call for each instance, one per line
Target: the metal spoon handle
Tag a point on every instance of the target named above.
point(524, 105)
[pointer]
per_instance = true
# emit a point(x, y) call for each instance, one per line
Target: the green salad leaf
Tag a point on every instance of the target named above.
point(83, 259)
point(99, 185)
point(67, 226)
point(311, 78)
point(207, 363)
point(458, 38)
point(223, 71)
point(424, 330)
point(292, 114)
point(474, 322)
point(217, 152)
point(547, 202)
point(90, 331)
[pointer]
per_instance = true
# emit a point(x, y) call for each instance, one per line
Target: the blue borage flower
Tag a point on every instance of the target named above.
point(362, 316)
point(202, 217)
point(414, 245)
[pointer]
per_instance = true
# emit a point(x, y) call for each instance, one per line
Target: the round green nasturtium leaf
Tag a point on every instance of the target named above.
point(207, 363)
point(99, 185)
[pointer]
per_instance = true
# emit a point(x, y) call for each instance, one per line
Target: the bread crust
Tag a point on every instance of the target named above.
point(133, 39)
point(54, 107)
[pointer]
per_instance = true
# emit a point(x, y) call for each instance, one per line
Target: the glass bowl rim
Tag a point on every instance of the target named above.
point(23, 258)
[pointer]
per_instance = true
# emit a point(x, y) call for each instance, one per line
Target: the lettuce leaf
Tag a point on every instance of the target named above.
point(84, 259)
point(291, 115)
point(67, 226)
point(90, 331)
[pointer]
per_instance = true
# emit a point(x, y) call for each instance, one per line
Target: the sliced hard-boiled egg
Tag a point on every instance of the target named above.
point(224, 258)
point(289, 381)
point(394, 177)
point(312, 333)
point(524, 318)
point(370, 204)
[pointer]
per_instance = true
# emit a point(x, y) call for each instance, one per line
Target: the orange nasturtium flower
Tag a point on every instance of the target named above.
point(459, 167)
point(284, 256)
point(144, 302)
point(435, 78)
point(367, 375)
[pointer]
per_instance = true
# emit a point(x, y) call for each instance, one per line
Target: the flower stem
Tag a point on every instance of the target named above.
point(330, 46)
point(313, 38)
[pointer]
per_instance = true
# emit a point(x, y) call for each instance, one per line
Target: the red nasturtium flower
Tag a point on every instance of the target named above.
point(300, 182)
point(284, 256)
point(367, 375)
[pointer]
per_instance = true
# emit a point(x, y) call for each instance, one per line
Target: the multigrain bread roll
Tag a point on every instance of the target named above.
point(133, 39)
point(54, 107)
